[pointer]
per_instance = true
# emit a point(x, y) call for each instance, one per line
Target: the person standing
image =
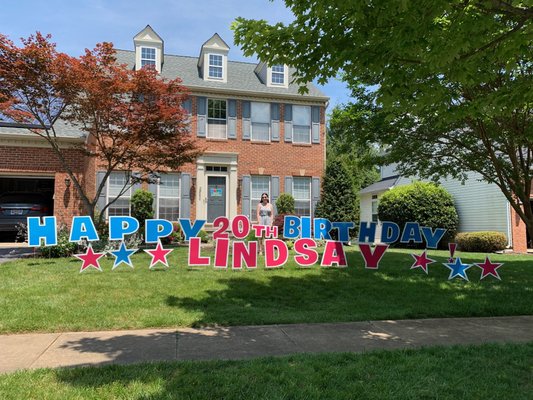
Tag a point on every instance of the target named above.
point(265, 216)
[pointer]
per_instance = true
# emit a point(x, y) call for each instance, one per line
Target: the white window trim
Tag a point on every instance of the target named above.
point(310, 194)
point(148, 59)
point(253, 208)
point(285, 83)
point(310, 126)
point(372, 202)
point(124, 196)
point(269, 124)
point(207, 119)
point(158, 196)
point(215, 78)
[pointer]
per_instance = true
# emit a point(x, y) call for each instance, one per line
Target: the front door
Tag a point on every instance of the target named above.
point(216, 197)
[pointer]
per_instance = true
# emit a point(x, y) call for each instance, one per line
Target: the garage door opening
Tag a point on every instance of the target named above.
point(23, 196)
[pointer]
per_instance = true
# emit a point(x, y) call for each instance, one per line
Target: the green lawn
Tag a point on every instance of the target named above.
point(50, 295)
point(469, 372)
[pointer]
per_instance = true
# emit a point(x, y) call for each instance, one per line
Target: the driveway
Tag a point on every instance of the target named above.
point(12, 251)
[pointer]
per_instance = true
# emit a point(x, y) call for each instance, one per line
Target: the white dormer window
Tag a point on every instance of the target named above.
point(216, 66)
point(148, 56)
point(278, 75)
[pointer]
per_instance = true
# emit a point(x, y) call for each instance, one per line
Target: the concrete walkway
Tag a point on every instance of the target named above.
point(244, 342)
point(12, 251)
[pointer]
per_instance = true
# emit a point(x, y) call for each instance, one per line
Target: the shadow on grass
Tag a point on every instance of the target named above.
point(355, 294)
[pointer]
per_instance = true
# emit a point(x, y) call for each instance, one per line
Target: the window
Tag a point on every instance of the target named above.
point(260, 122)
point(278, 74)
point(260, 185)
point(301, 123)
point(215, 66)
point(301, 190)
point(168, 197)
point(216, 119)
point(375, 203)
point(216, 168)
point(116, 183)
point(147, 56)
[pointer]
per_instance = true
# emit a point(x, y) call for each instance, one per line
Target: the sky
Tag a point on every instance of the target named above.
point(184, 25)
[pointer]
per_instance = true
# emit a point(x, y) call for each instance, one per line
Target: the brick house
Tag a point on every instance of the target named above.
point(258, 132)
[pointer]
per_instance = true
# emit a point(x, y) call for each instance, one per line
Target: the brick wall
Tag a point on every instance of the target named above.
point(43, 161)
point(272, 158)
point(519, 233)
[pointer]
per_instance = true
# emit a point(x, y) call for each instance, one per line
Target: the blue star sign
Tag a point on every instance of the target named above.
point(122, 255)
point(457, 269)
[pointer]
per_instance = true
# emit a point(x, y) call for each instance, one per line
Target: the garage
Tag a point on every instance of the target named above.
point(22, 196)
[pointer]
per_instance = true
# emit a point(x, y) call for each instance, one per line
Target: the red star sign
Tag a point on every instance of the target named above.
point(90, 259)
point(489, 268)
point(159, 255)
point(421, 261)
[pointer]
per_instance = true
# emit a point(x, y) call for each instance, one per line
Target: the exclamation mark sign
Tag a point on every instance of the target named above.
point(452, 247)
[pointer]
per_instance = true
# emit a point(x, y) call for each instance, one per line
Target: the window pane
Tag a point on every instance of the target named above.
point(260, 185)
point(169, 185)
point(278, 78)
point(215, 59)
point(215, 72)
point(301, 115)
point(301, 134)
point(169, 209)
point(215, 66)
point(117, 181)
point(261, 112)
point(121, 207)
point(147, 52)
point(278, 74)
point(216, 118)
point(302, 195)
point(260, 132)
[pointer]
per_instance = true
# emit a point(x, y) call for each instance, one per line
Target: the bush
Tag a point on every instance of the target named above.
point(484, 242)
point(285, 204)
point(279, 221)
point(251, 236)
point(176, 236)
point(338, 199)
point(426, 203)
point(64, 248)
point(204, 236)
point(142, 206)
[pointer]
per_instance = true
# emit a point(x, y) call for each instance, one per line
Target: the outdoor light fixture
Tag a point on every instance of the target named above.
point(67, 182)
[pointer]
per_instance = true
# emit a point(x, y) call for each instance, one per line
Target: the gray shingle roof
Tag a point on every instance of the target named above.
point(241, 77)
point(381, 186)
point(63, 130)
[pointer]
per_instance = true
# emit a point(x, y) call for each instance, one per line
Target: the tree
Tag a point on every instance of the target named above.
point(347, 123)
point(338, 200)
point(452, 78)
point(133, 120)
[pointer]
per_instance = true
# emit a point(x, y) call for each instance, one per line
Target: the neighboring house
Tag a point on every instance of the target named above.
point(481, 206)
point(258, 132)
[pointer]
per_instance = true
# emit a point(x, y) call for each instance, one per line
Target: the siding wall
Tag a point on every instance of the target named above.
point(481, 206)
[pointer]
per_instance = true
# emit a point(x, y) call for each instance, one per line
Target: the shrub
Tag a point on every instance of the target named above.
point(251, 236)
point(64, 248)
point(485, 242)
point(338, 201)
point(279, 221)
point(142, 206)
point(426, 203)
point(204, 236)
point(285, 204)
point(176, 235)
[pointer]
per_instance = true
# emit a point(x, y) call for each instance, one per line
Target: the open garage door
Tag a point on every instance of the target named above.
point(23, 196)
